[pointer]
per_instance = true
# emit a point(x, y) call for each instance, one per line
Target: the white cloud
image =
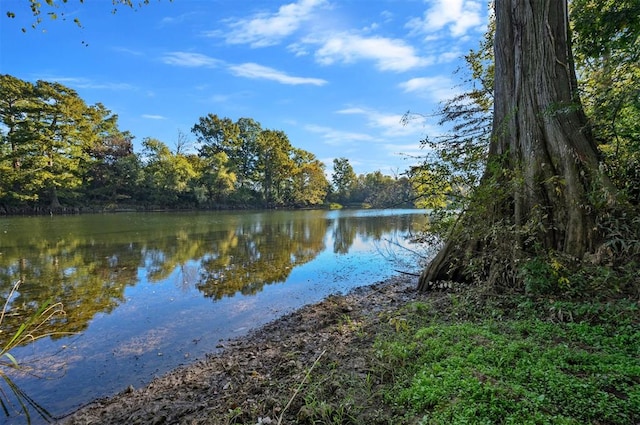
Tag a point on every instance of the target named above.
point(458, 16)
point(171, 20)
point(438, 88)
point(85, 83)
point(352, 111)
point(266, 29)
point(332, 136)
point(390, 125)
point(128, 51)
point(246, 70)
point(331, 46)
point(256, 71)
point(388, 54)
point(153, 117)
point(298, 49)
point(386, 16)
point(449, 56)
point(191, 60)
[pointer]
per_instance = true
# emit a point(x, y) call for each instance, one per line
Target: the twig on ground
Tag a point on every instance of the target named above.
point(300, 386)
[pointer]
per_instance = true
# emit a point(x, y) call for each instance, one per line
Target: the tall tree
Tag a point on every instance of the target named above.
point(309, 185)
point(245, 157)
point(169, 176)
point(63, 136)
point(16, 100)
point(54, 143)
point(114, 171)
point(49, 130)
point(275, 165)
point(216, 135)
point(344, 178)
point(215, 181)
point(542, 182)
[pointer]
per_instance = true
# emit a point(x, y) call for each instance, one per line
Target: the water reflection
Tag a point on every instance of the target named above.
point(97, 265)
point(259, 253)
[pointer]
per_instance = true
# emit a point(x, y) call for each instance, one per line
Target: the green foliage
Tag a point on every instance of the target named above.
point(606, 35)
point(343, 179)
point(516, 370)
point(30, 329)
point(56, 152)
point(371, 190)
point(454, 162)
point(610, 272)
point(263, 160)
point(308, 185)
point(48, 130)
point(544, 277)
point(553, 275)
point(51, 8)
point(168, 175)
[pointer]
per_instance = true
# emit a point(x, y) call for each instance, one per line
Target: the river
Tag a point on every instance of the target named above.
point(144, 293)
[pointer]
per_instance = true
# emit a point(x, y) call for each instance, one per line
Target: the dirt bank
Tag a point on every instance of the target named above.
point(311, 366)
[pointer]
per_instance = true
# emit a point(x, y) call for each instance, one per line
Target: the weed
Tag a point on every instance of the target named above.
point(30, 330)
point(522, 369)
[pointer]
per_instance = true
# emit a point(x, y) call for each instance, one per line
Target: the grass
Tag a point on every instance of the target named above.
point(12, 399)
point(513, 364)
point(469, 358)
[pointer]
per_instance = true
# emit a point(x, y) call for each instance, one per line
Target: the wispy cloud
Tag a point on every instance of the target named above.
point(457, 16)
point(256, 71)
point(191, 60)
point(266, 29)
point(438, 88)
point(332, 136)
point(388, 54)
point(172, 20)
point(246, 70)
point(85, 83)
point(128, 51)
point(153, 117)
point(390, 125)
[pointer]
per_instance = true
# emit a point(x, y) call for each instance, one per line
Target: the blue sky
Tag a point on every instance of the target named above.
point(335, 75)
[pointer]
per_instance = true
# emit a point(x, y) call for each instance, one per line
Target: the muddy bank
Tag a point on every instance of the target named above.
point(276, 372)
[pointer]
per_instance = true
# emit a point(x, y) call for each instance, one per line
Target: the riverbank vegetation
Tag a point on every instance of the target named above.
point(13, 400)
point(467, 357)
point(525, 360)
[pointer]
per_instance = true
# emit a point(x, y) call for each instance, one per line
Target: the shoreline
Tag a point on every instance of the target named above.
point(253, 375)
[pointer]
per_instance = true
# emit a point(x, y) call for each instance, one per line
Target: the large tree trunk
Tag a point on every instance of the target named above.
point(542, 156)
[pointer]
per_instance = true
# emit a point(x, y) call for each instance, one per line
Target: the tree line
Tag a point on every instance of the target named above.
point(57, 153)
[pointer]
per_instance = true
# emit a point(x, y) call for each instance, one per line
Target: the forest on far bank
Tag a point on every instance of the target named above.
point(59, 154)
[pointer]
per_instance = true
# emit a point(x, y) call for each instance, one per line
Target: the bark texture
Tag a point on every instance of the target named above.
point(541, 153)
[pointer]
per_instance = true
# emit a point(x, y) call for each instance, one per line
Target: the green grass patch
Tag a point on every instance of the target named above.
point(524, 368)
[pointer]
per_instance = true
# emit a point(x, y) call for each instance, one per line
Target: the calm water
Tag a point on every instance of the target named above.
point(145, 293)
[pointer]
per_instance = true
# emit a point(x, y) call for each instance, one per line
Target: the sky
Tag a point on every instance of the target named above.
point(335, 75)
